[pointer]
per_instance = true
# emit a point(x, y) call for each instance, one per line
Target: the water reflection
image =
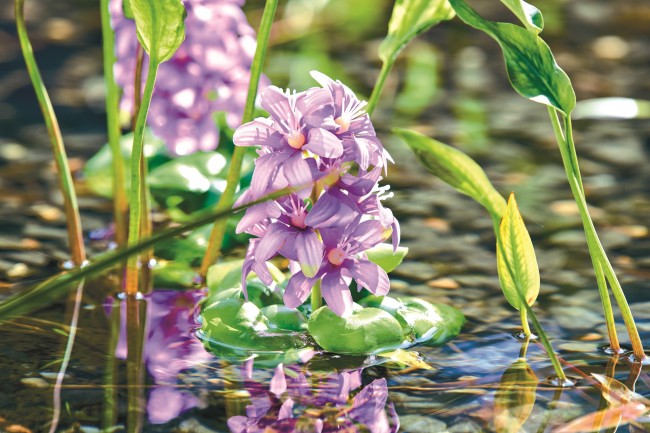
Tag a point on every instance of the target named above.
point(299, 401)
point(168, 348)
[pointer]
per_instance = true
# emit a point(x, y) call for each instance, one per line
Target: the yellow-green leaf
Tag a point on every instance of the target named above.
point(528, 14)
point(409, 19)
point(515, 397)
point(516, 261)
point(456, 169)
point(406, 357)
point(160, 26)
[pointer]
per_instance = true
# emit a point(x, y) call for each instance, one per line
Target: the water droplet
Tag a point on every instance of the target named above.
point(569, 382)
point(521, 335)
point(609, 350)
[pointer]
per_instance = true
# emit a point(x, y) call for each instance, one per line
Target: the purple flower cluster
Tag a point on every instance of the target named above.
point(320, 142)
point(210, 72)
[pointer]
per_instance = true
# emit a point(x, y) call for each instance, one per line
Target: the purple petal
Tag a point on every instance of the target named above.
point(328, 211)
point(276, 235)
point(324, 143)
point(255, 133)
point(278, 382)
point(297, 171)
point(310, 252)
point(266, 169)
point(370, 276)
point(317, 109)
point(337, 293)
point(286, 410)
point(276, 102)
point(367, 234)
point(256, 214)
point(298, 290)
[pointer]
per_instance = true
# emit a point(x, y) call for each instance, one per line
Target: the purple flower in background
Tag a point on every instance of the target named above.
point(320, 142)
point(209, 73)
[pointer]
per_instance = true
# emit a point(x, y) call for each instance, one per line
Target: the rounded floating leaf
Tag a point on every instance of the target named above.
point(282, 317)
point(516, 261)
point(365, 331)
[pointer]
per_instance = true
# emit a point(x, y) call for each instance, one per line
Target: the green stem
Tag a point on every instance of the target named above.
point(599, 257)
point(135, 198)
point(75, 238)
point(110, 405)
point(120, 204)
point(316, 296)
point(524, 322)
point(379, 86)
point(234, 172)
point(546, 343)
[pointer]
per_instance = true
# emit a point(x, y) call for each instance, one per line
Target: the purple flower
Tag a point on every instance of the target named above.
point(342, 263)
point(209, 73)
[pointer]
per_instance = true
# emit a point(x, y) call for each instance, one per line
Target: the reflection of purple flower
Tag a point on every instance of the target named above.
point(290, 406)
point(209, 73)
point(169, 348)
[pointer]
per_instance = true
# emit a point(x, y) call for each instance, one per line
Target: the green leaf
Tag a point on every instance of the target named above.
point(409, 19)
point(516, 262)
point(241, 325)
point(194, 181)
point(456, 169)
point(532, 70)
point(407, 358)
point(383, 256)
point(160, 27)
point(98, 170)
point(528, 14)
point(421, 321)
point(126, 9)
point(282, 317)
point(515, 397)
point(365, 331)
point(173, 275)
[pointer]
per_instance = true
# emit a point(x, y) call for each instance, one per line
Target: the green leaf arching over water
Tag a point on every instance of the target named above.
point(528, 14)
point(409, 19)
point(160, 26)
point(532, 70)
point(516, 261)
point(456, 169)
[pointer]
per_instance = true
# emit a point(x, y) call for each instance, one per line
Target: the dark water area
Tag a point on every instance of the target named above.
point(450, 84)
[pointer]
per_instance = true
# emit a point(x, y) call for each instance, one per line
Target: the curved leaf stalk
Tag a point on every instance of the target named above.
point(136, 327)
point(379, 86)
point(524, 322)
point(603, 268)
point(316, 296)
point(234, 172)
point(110, 402)
point(546, 343)
point(120, 204)
point(75, 238)
point(56, 403)
point(135, 215)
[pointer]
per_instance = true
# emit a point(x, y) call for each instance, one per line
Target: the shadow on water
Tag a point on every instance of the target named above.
point(164, 380)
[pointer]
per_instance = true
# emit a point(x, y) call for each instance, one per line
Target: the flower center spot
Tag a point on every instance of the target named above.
point(336, 256)
point(344, 124)
point(296, 140)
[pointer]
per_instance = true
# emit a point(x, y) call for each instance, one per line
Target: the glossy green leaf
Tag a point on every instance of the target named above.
point(421, 321)
point(160, 27)
point(190, 182)
point(365, 331)
point(98, 170)
point(528, 14)
point(409, 19)
point(516, 261)
point(532, 70)
point(515, 397)
point(383, 256)
point(456, 169)
point(126, 9)
point(241, 325)
point(282, 317)
point(174, 275)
